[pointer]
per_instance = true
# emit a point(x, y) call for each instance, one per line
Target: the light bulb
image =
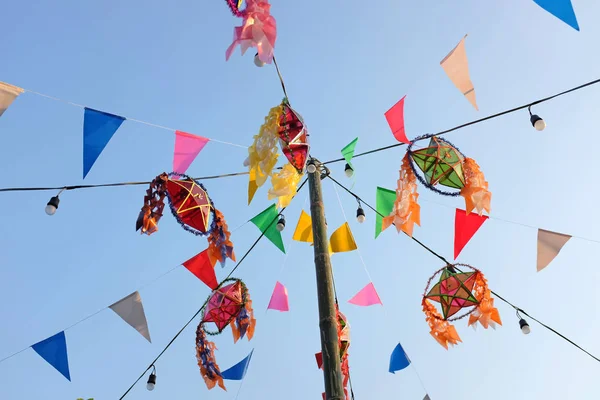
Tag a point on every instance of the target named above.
point(281, 224)
point(524, 327)
point(151, 381)
point(312, 168)
point(52, 205)
point(349, 171)
point(258, 62)
point(360, 215)
point(150, 386)
point(537, 122)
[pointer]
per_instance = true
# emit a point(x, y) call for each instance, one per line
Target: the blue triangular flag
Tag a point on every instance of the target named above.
point(238, 371)
point(98, 128)
point(561, 9)
point(399, 360)
point(54, 351)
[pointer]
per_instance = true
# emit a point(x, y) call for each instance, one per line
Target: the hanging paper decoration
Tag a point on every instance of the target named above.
point(457, 292)
point(303, 232)
point(342, 240)
point(284, 185)
point(229, 304)
point(465, 226)
point(238, 371)
point(398, 360)
point(561, 9)
point(131, 310)
point(443, 164)
point(456, 66)
point(187, 147)
point(279, 298)
point(235, 6)
point(98, 128)
point(384, 204)
point(344, 341)
point(258, 29)
point(293, 137)
point(406, 212)
point(54, 351)
point(395, 119)
point(549, 244)
point(220, 246)
point(203, 268)
point(266, 221)
point(8, 94)
point(348, 151)
point(367, 296)
point(154, 203)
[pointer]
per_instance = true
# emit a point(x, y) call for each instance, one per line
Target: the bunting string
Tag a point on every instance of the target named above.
point(519, 309)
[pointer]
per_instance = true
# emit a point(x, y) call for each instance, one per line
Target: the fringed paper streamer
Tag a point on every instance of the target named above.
point(220, 246)
point(442, 331)
point(284, 185)
point(154, 203)
point(407, 211)
point(234, 6)
point(485, 313)
point(205, 354)
point(476, 193)
point(244, 323)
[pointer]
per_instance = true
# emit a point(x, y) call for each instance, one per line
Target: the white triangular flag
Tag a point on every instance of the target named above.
point(8, 94)
point(549, 245)
point(131, 310)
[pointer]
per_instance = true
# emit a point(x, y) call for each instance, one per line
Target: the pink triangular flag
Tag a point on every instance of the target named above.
point(457, 68)
point(366, 297)
point(395, 119)
point(187, 147)
point(279, 299)
point(549, 245)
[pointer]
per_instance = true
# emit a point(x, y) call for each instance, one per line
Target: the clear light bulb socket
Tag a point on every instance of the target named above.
point(537, 122)
point(258, 62)
point(311, 168)
point(348, 170)
point(52, 205)
point(151, 381)
point(360, 215)
point(281, 224)
point(524, 327)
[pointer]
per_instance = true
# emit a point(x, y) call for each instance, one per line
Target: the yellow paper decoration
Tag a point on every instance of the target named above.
point(342, 240)
point(284, 185)
point(252, 186)
point(303, 232)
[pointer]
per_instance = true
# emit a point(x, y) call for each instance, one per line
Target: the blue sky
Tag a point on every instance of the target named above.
point(344, 65)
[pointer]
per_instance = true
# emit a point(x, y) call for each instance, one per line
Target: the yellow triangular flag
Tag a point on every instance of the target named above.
point(303, 232)
point(252, 186)
point(342, 240)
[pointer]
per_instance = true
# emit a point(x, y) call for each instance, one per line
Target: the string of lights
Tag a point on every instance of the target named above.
point(152, 377)
point(525, 328)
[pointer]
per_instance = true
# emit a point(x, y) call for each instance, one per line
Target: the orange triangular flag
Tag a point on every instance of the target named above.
point(549, 245)
point(457, 68)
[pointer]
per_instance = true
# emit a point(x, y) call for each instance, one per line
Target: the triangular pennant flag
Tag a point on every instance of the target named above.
point(384, 204)
point(303, 232)
point(366, 297)
point(131, 310)
point(98, 128)
point(319, 358)
point(465, 226)
point(549, 245)
point(8, 94)
point(279, 298)
point(204, 270)
point(187, 147)
point(348, 151)
point(266, 221)
point(426, 397)
point(342, 240)
point(54, 351)
point(457, 68)
point(252, 186)
point(561, 9)
point(238, 371)
point(399, 360)
point(395, 119)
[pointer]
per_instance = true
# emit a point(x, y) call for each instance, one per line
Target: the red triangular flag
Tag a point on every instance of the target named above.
point(465, 227)
point(201, 266)
point(319, 358)
point(395, 119)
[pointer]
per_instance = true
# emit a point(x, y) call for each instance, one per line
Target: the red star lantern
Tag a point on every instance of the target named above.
point(224, 305)
point(190, 204)
point(293, 137)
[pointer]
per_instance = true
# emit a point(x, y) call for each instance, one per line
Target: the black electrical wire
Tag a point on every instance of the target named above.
point(447, 263)
point(206, 301)
point(477, 121)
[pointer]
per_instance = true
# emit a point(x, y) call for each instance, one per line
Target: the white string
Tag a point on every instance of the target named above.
point(129, 119)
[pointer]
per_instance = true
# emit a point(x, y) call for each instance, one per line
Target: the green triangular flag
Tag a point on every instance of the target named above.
point(266, 221)
point(384, 204)
point(348, 151)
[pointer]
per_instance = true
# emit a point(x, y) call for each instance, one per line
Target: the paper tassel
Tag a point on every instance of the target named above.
point(54, 351)
point(549, 245)
point(187, 147)
point(284, 185)
point(465, 226)
point(131, 310)
point(204, 270)
point(279, 298)
point(342, 240)
point(399, 360)
point(366, 297)
point(8, 94)
point(395, 119)
point(561, 9)
point(476, 193)
point(457, 68)
point(220, 246)
point(205, 356)
point(384, 204)
point(98, 128)
point(303, 232)
point(266, 221)
point(348, 151)
point(406, 211)
point(238, 371)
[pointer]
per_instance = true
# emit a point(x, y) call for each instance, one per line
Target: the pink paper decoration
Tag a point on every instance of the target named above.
point(279, 299)
point(366, 297)
point(395, 119)
point(187, 147)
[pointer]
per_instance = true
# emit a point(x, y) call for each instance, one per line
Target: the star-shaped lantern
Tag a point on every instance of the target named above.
point(224, 305)
point(190, 203)
point(441, 163)
point(454, 291)
point(293, 137)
